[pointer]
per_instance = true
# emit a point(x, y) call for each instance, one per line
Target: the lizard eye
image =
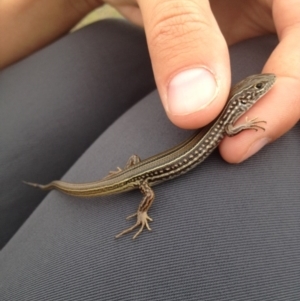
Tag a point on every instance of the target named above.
point(259, 85)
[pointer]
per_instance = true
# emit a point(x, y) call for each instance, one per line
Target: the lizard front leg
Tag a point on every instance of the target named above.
point(252, 124)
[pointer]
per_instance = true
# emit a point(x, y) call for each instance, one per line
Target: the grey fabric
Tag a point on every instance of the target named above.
point(54, 104)
point(221, 232)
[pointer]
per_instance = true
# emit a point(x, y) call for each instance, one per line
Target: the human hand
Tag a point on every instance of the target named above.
point(29, 25)
point(188, 40)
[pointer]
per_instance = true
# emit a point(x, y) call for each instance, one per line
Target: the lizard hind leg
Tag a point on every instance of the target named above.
point(142, 212)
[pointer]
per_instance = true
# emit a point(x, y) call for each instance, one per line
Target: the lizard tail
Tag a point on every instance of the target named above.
point(36, 185)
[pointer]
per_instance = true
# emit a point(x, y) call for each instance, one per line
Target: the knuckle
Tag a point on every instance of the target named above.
point(176, 24)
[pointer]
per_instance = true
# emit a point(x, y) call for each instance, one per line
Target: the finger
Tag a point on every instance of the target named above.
point(131, 12)
point(281, 106)
point(189, 57)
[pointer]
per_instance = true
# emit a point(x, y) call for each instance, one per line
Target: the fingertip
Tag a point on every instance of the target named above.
point(254, 147)
point(195, 97)
point(190, 91)
point(240, 150)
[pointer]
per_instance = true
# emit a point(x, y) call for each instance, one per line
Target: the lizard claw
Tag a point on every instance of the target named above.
point(142, 220)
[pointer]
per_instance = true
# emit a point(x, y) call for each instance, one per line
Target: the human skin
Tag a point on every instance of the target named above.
point(188, 44)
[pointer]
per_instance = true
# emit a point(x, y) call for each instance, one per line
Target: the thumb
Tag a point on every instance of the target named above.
point(189, 57)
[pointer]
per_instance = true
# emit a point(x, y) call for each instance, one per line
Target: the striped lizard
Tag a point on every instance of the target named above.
point(143, 174)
